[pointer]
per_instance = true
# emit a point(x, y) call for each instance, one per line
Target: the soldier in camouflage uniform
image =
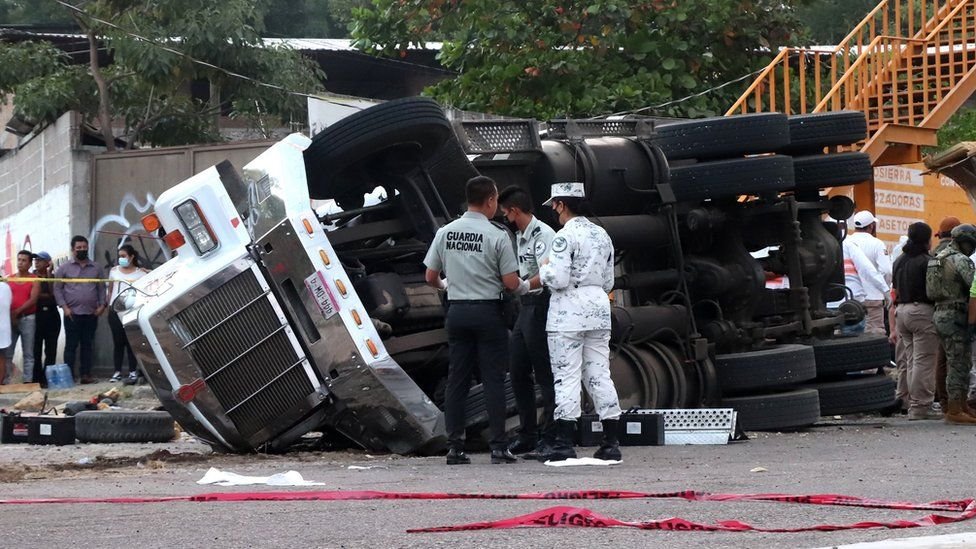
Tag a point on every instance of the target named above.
point(579, 272)
point(945, 237)
point(950, 291)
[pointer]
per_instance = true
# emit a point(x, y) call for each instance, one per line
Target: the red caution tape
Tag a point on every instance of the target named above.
point(561, 517)
point(579, 517)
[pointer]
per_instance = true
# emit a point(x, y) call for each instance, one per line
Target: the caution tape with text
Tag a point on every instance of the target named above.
point(564, 516)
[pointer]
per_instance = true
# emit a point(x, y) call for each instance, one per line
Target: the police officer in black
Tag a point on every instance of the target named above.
point(479, 262)
point(530, 342)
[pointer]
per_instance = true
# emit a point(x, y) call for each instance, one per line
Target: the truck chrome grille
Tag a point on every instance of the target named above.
point(243, 351)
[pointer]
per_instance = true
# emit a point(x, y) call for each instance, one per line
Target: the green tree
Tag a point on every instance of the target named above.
point(828, 21)
point(549, 58)
point(153, 45)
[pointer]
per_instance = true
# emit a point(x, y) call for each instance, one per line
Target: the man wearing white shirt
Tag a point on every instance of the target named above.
point(867, 269)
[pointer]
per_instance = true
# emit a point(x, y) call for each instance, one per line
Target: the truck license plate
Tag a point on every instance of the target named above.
point(322, 294)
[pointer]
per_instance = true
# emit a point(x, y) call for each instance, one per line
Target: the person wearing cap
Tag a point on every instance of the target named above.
point(871, 277)
point(948, 282)
point(911, 320)
point(945, 237)
point(529, 342)
point(23, 305)
point(48, 321)
point(945, 232)
point(479, 260)
point(579, 273)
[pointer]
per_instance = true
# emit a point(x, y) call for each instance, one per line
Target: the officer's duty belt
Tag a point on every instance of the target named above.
point(536, 299)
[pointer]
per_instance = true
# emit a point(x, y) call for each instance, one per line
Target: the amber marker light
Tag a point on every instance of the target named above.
point(372, 348)
point(151, 223)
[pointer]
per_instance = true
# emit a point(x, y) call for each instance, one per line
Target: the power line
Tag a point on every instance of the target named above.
point(200, 62)
point(687, 97)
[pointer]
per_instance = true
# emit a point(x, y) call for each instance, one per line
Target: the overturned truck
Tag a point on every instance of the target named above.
point(273, 320)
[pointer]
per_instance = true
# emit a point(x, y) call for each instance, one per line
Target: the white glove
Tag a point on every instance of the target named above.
point(444, 287)
point(523, 288)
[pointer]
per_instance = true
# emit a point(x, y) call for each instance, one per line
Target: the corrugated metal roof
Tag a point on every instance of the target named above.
point(331, 44)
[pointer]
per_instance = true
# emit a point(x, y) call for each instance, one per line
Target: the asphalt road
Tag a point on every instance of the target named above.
point(869, 457)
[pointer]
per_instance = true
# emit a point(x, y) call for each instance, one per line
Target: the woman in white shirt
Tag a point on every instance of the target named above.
point(5, 296)
point(122, 276)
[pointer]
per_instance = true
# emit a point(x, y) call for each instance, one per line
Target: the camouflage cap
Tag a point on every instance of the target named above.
point(566, 190)
point(964, 232)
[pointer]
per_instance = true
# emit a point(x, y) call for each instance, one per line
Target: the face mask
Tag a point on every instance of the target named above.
point(81, 255)
point(123, 262)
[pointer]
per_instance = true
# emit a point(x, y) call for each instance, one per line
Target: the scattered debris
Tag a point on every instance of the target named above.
point(758, 470)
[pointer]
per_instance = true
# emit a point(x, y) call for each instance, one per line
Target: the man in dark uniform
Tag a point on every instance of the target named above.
point(530, 342)
point(478, 259)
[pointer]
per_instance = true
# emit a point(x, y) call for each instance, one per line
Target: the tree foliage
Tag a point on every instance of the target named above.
point(153, 45)
point(549, 58)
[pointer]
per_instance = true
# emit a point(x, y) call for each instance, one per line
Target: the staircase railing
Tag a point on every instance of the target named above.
point(801, 80)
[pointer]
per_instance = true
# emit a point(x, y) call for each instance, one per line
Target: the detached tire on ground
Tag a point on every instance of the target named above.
point(831, 170)
point(414, 121)
point(855, 395)
point(851, 354)
point(124, 426)
point(774, 412)
point(723, 136)
point(765, 369)
point(810, 133)
point(730, 178)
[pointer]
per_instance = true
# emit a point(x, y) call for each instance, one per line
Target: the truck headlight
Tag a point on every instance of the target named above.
point(197, 227)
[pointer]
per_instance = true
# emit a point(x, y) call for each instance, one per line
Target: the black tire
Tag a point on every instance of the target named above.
point(831, 170)
point(475, 410)
point(781, 366)
point(413, 121)
point(723, 136)
point(130, 426)
point(855, 395)
point(811, 133)
point(450, 169)
point(779, 411)
point(851, 354)
point(730, 178)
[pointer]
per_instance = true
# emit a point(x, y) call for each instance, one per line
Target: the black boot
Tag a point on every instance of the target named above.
point(562, 447)
point(522, 444)
point(546, 440)
point(610, 449)
point(457, 457)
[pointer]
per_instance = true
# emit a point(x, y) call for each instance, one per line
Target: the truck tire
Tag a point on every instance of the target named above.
point(851, 354)
point(124, 426)
point(831, 170)
point(780, 366)
point(723, 136)
point(779, 411)
point(856, 394)
point(811, 133)
point(410, 121)
point(730, 178)
point(475, 410)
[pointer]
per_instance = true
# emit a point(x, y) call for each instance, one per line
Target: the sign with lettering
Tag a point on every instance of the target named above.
point(320, 290)
point(899, 175)
point(899, 200)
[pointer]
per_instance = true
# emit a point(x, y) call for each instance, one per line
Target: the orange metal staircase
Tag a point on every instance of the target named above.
point(908, 65)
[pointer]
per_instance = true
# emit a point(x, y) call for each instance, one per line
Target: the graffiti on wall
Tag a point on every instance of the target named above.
point(42, 225)
point(125, 227)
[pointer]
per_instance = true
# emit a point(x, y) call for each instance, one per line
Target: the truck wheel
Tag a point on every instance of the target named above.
point(765, 369)
point(730, 178)
point(450, 169)
point(475, 411)
point(723, 136)
point(780, 411)
point(857, 394)
point(851, 354)
point(811, 133)
point(128, 426)
point(412, 121)
point(831, 170)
